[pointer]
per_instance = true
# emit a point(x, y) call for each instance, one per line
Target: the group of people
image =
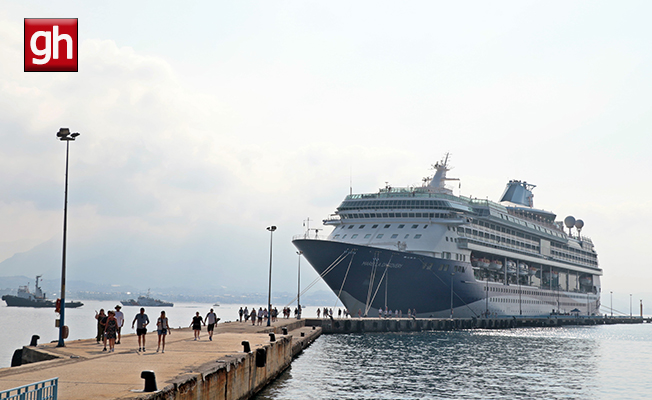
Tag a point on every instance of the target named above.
point(328, 313)
point(109, 328)
point(197, 321)
point(387, 313)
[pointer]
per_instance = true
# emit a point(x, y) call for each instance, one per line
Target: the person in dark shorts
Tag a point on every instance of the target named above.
point(211, 320)
point(141, 328)
point(196, 324)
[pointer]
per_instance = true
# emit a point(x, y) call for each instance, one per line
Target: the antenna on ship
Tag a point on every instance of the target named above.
point(350, 180)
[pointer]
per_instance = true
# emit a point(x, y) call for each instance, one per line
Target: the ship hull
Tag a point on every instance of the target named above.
point(15, 301)
point(367, 278)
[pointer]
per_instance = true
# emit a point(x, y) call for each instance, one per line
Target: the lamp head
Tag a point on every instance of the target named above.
point(271, 228)
point(63, 132)
point(74, 135)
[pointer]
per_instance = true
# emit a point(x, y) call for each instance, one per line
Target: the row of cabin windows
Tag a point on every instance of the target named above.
point(395, 215)
point(533, 293)
point(401, 226)
point(378, 236)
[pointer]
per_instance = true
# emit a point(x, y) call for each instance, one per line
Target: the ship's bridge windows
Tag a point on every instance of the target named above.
point(374, 226)
point(343, 237)
point(411, 215)
point(361, 226)
point(354, 236)
point(350, 227)
point(367, 236)
point(336, 236)
point(425, 226)
point(386, 226)
point(407, 236)
point(417, 236)
point(415, 226)
point(401, 226)
point(394, 236)
point(391, 215)
point(379, 236)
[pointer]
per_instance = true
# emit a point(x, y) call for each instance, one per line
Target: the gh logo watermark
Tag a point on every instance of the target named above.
point(50, 45)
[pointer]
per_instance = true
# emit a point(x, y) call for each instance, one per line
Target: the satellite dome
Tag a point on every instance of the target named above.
point(579, 224)
point(569, 221)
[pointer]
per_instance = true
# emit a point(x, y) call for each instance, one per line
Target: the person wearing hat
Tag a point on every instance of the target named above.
point(121, 321)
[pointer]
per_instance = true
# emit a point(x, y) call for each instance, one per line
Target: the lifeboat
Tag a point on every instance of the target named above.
point(586, 281)
point(532, 271)
point(511, 267)
point(483, 263)
point(495, 265)
point(523, 269)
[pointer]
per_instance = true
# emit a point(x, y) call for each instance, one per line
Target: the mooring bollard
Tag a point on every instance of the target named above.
point(272, 337)
point(284, 330)
point(35, 339)
point(303, 334)
point(247, 348)
point(150, 381)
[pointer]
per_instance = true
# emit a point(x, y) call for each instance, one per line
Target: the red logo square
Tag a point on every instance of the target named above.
point(51, 45)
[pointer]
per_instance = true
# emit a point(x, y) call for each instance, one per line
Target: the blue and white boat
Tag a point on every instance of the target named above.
point(426, 249)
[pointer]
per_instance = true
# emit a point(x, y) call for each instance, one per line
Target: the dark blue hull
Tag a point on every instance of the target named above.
point(368, 278)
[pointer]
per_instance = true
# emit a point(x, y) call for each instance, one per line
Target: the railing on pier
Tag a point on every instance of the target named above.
point(44, 390)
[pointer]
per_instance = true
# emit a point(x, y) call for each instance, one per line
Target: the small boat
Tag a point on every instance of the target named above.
point(523, 269)
point(586, 281)
point(147, 301)
point(532, 271)
point(25, 298)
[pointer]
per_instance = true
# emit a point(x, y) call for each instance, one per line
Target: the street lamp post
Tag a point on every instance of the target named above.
point(271, 230)
point(630, 305)
point(65, 136)
point(299, 285)
point(612, 303)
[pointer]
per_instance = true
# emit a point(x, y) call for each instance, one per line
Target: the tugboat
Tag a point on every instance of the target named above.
point(25, 298)
point(147, 301)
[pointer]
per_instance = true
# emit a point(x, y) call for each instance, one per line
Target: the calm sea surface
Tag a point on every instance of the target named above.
point(603, 362)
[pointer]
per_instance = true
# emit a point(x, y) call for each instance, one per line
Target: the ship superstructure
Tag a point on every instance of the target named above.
point(427, 249)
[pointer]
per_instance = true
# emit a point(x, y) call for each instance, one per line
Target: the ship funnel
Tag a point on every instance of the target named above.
point(518, 192)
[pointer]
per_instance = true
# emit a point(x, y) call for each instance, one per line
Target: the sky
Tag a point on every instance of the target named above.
point(203, 123)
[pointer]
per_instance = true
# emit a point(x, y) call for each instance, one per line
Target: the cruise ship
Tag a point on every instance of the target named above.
point(425, 250)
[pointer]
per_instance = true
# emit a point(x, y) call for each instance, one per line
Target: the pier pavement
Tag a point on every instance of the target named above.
point(87, 372)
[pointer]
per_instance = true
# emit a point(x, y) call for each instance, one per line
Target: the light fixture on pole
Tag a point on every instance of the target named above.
point(452, 275)
point(271, 230)
point(299, 285)
point(65, 136)
point(612, 303)
point(630, 305)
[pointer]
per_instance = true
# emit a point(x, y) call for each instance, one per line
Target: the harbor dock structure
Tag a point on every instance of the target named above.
point(362, 325)
point(239, 361)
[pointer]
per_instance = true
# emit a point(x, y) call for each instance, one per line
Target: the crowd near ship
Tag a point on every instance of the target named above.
point(427, 250)
point(25, 298)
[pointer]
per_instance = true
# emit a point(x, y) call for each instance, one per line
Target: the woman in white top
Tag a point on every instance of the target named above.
point(163, 329)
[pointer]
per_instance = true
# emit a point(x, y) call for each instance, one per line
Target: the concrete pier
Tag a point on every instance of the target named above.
point(189, 369)
point(360, 325)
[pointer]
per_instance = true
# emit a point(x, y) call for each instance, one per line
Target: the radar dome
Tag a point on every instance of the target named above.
point(579, 224)
point(569, 221)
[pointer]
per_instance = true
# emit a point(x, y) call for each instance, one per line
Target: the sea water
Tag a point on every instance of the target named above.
point(597, 362)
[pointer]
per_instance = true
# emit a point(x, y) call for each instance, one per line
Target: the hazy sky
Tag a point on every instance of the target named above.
point(203, 123)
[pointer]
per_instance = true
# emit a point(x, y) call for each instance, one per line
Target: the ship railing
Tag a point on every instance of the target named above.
point(310, 235)
point(43, 390)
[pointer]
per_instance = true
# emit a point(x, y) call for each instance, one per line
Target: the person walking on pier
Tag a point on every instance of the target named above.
point(318, 312)
point(196, 324)
point(253, 316)
point(246, 313)
point(211, 319)
point(260, 315)
point(101, 321)
point(110, 330)
point(163, 329)
point(142, 321)
point(240, 313)
point(119, 315)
